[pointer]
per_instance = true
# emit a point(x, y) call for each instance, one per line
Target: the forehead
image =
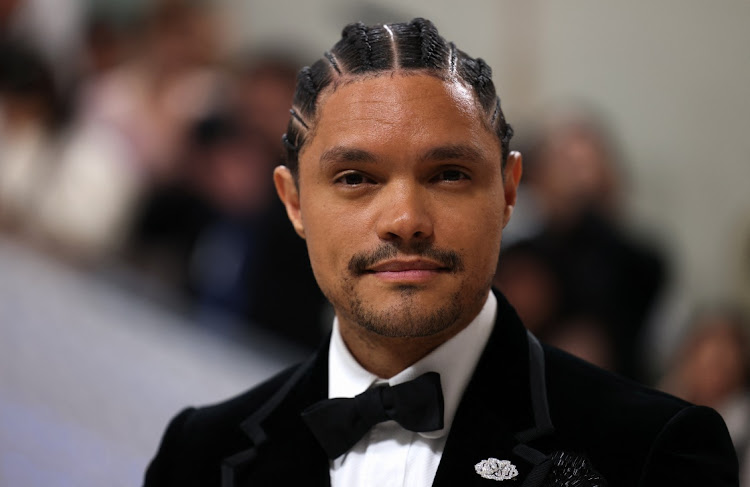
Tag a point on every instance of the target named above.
point(401, 112)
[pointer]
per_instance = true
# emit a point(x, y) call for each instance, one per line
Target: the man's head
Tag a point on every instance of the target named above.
point(396, 180)
point(365, 51)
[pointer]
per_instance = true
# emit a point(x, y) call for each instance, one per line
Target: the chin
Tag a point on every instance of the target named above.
point(409, 316)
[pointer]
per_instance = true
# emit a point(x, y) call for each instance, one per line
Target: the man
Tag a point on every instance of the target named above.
point(400, 180)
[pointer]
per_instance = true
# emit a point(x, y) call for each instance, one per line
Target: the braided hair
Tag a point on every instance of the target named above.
point(370, 50)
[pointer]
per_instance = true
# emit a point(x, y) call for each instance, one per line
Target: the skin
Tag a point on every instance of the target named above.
point(402, 199)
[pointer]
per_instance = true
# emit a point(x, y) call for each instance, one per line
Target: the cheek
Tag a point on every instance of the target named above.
point(475, 233)
point(330, 232)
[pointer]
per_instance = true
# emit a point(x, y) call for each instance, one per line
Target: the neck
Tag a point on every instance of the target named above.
point(387, 356)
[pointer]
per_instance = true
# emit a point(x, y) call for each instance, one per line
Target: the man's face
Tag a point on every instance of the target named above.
point(402, 201)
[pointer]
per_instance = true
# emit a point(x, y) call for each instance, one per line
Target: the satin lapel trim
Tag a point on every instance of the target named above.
point(282, 446)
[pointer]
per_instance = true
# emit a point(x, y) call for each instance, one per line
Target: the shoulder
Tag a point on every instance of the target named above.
point(197, 440)
point(634, 432)
point(577, 390)
point(228, 414)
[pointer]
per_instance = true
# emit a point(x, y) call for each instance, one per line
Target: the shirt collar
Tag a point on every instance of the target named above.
point(455, 361)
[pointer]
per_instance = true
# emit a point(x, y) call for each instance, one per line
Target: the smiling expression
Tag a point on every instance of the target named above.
point(402, 201)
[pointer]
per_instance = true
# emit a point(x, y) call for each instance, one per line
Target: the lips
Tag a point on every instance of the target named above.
point(407, 266)
point(390, 261)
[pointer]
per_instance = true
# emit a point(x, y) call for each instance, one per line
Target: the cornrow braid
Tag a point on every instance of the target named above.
point(452, 61)
point(432, 43)
point(361, 45)
point(332, 59)
point(362, 50)
point(495, 112)
point(298, 118)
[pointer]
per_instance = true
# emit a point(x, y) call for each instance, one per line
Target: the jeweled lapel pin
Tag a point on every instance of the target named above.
point(495, 469)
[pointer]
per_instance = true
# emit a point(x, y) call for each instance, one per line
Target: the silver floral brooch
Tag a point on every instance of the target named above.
point(495, 469)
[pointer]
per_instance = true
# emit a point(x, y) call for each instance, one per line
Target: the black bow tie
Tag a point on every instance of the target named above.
point(339, 423)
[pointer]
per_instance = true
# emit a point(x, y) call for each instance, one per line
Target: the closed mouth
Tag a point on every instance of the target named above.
point(406, 265)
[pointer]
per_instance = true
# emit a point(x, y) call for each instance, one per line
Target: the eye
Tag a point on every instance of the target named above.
point(352, 178)
point(451, 175)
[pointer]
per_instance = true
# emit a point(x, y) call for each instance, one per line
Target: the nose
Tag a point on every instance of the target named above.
point(404, 214)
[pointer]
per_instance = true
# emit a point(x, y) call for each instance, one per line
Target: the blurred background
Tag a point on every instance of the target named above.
point(146, 264)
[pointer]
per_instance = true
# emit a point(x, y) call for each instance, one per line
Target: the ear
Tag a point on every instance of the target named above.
point(511, 179)
point(287, 189)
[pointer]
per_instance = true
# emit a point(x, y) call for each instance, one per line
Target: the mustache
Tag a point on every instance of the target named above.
point(361, 262)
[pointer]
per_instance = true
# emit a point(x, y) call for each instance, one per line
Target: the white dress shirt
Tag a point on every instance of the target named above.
point(390, 455)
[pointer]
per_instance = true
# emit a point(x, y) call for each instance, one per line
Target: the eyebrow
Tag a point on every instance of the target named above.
point(346, 154)
point(441, 153)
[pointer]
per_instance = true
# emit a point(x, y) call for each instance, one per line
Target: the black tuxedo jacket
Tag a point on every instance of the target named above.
point(524, 403)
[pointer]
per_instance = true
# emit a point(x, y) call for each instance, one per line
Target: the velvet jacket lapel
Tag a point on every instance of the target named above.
point(496, 415)
point(283, 448)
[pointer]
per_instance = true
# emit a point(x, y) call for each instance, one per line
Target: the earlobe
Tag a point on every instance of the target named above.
point(507, 214)
point(288, 192)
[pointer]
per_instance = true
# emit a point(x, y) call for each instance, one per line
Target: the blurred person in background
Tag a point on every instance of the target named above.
point(219, 234)
point(712, 368)
point(216, 229)
point(261, 99)
point(530, 282)
point(52, 166)
point(606, 281)
point(30, 123)
point(171, 79)
point(50, 31)
point(134, 103)
point(110, 39)
point(96, 162)
point(264, 85)
point(143, 85)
